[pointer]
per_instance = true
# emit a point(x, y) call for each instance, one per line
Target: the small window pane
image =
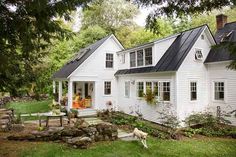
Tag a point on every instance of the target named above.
point(107, 88)
point(148, 56)
point(132, 59)
point(140, 57)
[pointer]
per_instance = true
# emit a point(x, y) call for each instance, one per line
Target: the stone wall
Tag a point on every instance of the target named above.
point(78, 137)
point(6, 119)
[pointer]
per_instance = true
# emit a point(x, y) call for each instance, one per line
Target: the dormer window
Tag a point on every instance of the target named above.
point(198, 54)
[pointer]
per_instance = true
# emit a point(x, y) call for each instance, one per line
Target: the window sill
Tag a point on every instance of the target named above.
point(219, 101)
point(107, 95)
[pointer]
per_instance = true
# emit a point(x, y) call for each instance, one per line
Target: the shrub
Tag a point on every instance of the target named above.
point(206, 124)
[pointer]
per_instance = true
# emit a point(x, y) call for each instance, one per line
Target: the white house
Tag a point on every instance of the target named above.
point(185, 72)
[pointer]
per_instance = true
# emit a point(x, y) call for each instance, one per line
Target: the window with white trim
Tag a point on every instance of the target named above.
point(219, 91)
point(149, 86)
point(127, 89)
point(107, 88)
point(148, 56)
point(164, 91)
point(193, 91)
point(140, 57)
point(109, 60)
point(198, 54)
point(155, 88)
point(140, 89)
point(132, 59)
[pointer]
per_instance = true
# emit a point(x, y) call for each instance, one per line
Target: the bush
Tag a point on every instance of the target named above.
point(207, 125)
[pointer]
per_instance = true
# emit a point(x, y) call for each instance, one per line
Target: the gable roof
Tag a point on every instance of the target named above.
point(174, 55)
point(78, 59)
point(221, 52)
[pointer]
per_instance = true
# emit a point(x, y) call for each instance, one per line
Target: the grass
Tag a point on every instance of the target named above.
point(161, 148)
point(30, 107)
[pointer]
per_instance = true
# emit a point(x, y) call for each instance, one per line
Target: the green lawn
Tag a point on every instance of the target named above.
point(30, 107)
point(157, 148)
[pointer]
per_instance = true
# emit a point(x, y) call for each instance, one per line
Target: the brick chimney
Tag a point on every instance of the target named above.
point(221, 20)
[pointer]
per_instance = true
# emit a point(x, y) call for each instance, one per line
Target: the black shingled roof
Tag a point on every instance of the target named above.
point(78, 59)
point(175, 54)
point(221, 52)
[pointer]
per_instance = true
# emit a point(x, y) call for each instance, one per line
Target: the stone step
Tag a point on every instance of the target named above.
point(123, 135)
point(87, 113)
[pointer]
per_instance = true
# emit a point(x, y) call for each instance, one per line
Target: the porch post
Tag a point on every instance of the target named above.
point(70, 95)
point(54, 86)
point(60, 92)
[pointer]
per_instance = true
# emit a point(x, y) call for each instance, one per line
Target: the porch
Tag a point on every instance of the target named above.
point(74, 94)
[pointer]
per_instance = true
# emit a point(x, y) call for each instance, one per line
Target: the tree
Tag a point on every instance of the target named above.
point(109, 14)
point(27, 27)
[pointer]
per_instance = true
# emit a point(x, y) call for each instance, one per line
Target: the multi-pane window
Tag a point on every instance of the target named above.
point(164, 91)
point(107, 88)
point(198, 54)
point(140, 89)
point(109, 60)
point(161, 89)
point(132, 59)
point(127, 89)
point(155, 88)
point(219, 90)
point(193, 91)
point(148, 86)
point(140, 57)
point(148, 56)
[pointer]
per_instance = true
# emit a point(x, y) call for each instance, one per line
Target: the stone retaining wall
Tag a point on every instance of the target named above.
point(78, 137)
point(6, 119)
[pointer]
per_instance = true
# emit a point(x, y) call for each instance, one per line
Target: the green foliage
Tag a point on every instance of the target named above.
point(149, 96)
point(134, 122)
point(30, 107)
point(27, 28)
point(109, 14)
point(206, 124)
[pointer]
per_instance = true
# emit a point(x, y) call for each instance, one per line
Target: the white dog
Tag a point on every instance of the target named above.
point(141, 136)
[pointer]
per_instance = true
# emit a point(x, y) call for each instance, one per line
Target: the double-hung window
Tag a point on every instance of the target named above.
point(140, 89)
point(148, 56)
point(127, 89)
point(109, 60)
point(164, 91)
point(107, 88)
point(148, 86)
point(193, 91)
point(132, 59)
point(219, 93)
point(140, 57)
